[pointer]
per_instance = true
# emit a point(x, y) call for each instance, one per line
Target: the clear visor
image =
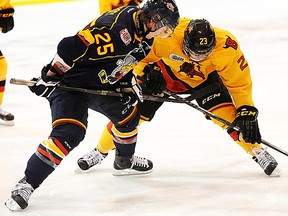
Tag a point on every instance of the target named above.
point(163, 25)
point(197, 56)
point(159, 22)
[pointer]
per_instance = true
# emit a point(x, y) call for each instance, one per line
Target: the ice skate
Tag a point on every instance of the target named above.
point(91, 159)
point(19, 196)
point(266, 162)
point(6, 118)
point(133, 165)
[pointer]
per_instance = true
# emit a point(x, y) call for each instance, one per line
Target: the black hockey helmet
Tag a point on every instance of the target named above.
point(199, 39)
point(162, 13)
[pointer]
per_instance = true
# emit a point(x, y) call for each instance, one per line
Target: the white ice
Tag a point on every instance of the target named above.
point(198, 170)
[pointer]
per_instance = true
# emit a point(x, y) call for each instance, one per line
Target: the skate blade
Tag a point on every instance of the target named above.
point(276, 172)
point(6, 123)
point(127, 172)
point(12, 205)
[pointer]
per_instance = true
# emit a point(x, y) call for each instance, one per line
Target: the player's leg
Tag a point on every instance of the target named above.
point(69, 115)
point(258, 153)
point(125, 118)
point(106, 143)
point(6, 118)
point(124, 131)
point(221, 104)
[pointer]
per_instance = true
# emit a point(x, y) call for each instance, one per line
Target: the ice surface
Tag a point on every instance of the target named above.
point(198, 170)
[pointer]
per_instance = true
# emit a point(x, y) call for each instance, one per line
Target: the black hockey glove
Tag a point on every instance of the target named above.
point(6, 20)
point(42, 88)
point(155, 82)
point(246, 120)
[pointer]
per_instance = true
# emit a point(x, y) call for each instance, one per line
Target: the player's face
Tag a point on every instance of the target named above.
point(163, 31)
point(196, 56)
point(166, 31)
point(193, 55)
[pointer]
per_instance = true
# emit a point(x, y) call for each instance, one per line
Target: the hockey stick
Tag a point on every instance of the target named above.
point(118, 94)
point(91, 91)
point(230, 125)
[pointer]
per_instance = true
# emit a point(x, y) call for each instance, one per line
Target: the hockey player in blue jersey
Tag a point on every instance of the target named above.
point(100, 56)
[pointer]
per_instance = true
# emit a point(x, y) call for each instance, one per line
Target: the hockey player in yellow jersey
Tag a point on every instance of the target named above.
point(107, 5)
point(195, 56)
point(6, 25)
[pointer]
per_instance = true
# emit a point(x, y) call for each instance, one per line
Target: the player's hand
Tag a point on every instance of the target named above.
point(6, 20)
point(155, 82)
point(42, 88)
point(246, 120)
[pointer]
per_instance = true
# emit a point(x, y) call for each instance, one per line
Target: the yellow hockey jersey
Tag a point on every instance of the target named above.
point(5, 4)
point(107, 5)
point(227, 59)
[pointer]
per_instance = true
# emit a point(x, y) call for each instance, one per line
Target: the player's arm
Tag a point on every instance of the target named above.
point(236, 77)
point(234, 70)
point(151, 76)
point(150, 58)
point(69, 52)
point(240, 83)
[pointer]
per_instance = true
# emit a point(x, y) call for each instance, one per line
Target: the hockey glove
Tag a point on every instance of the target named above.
point(42, 88)
point(246, 120)
point(155, 82)
point(6, 19)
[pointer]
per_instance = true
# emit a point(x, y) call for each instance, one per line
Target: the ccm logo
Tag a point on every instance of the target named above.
point(211, 97)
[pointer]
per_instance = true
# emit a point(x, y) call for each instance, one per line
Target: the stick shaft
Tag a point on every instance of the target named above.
point(177, 99)
point(97, 92)
point(230, 125)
